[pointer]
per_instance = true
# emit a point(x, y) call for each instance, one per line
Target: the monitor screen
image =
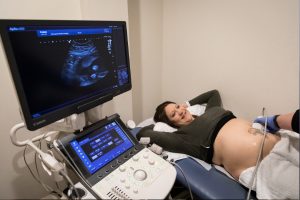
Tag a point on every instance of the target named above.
point(65, 67)
point(98, 148)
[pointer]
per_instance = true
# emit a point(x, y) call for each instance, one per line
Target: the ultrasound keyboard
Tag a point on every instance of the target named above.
point(145, 175)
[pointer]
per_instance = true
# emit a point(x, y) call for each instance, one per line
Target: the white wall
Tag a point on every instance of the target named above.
point(145, 21)
point(110, 10)
point(16, 181)
point(249, 50)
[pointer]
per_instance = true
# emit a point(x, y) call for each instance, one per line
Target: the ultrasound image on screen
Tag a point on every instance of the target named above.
point(83, 65)
point(57, 69)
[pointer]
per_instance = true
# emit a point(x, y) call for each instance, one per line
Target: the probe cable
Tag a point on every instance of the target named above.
point(38, 179)
point(173, 163)
point(259, 156)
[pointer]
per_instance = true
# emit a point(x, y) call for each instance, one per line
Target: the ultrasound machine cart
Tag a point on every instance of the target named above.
point(62, 69)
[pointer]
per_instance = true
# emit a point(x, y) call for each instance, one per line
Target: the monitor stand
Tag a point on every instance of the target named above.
point(69, 124)
point(76, 122)
point(93, 115)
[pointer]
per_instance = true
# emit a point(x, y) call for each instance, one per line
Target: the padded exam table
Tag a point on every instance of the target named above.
point(209, 184)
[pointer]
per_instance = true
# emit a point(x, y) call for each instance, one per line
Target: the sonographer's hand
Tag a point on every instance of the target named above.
point(272, 125)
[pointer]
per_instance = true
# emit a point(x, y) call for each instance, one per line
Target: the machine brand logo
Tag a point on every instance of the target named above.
point(16, 28)
point(39, 122)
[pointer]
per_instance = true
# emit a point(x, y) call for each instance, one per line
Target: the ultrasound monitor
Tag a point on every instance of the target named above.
point(64, 67)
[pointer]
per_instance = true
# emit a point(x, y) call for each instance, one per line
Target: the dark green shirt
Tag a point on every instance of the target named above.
point(197, 138)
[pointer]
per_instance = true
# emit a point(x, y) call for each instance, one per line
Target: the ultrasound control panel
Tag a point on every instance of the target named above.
point(114, 165)
point(145, 175)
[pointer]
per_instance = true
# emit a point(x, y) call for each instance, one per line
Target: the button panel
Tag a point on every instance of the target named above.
point(115, 164)
point(137, 173)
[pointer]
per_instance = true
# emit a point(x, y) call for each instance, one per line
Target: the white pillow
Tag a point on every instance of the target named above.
point(197, 109)
point(194, 110)
point(163, 127)
point(146, 122)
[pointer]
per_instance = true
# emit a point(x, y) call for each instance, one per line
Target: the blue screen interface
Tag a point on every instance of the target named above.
point(100, 147)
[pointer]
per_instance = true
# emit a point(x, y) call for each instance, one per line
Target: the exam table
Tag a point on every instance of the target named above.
point(209, 184)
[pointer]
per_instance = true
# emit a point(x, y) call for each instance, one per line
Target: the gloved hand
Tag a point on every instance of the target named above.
point(272, 125)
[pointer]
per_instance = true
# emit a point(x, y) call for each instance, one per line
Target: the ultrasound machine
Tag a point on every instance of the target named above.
point(62, 70)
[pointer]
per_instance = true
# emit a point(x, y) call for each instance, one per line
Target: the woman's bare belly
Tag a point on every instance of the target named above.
point(237, 145)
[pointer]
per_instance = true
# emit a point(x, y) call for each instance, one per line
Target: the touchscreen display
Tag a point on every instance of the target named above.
point(100, 147)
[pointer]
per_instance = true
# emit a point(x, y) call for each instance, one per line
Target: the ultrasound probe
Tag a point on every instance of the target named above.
point(259, 155)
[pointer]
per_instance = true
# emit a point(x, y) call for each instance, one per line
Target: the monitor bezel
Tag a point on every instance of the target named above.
point(77, 107)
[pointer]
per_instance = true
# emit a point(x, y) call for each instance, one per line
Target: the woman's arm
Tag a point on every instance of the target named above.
point(211, 98)
point(168, 141)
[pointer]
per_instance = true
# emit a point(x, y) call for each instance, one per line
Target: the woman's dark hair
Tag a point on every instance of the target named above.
point(160, 114)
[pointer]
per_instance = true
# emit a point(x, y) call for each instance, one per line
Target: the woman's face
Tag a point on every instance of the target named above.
point(178, 114)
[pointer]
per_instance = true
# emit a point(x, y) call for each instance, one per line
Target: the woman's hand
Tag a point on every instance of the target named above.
point(184, 105)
